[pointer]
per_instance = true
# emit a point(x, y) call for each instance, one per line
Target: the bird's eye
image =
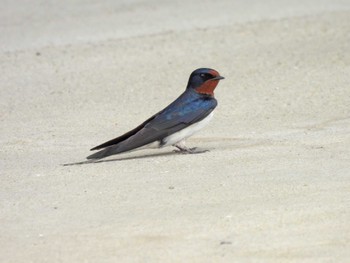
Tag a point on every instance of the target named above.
point(206, 75)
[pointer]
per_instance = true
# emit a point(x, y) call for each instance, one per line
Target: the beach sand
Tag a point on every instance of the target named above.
point(275, 186)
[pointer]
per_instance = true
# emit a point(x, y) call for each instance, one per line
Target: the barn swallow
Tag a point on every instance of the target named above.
point(189, 113)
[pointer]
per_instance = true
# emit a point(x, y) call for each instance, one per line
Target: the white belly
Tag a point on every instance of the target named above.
point(187, 132)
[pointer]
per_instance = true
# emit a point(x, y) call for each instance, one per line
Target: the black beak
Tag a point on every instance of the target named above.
point(217, 78)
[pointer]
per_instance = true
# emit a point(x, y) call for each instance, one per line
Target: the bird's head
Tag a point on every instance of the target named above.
point(204, 80)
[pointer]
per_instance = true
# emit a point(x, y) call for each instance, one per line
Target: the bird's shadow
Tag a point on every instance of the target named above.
point(220, 142)
point(124, 159)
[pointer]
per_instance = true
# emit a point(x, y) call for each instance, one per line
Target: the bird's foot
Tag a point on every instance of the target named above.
point(194, 150)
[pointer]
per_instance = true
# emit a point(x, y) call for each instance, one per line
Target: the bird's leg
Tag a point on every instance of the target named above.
point(182, 148)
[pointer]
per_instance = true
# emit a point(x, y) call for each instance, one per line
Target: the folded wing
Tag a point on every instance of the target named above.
point(186, 110)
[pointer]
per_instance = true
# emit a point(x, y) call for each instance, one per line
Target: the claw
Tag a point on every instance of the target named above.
point(194, 150)
point(183, 149)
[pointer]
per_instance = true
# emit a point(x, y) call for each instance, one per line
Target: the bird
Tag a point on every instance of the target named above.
point(189, 113)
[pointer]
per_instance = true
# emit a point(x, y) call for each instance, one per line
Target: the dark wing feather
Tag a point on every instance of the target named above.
point(141, 138)
point(124, 136)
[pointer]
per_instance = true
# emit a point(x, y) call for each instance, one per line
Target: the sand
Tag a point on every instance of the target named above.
point(275, 186)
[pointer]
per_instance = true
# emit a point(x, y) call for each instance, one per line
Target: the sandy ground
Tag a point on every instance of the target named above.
point(275, 186)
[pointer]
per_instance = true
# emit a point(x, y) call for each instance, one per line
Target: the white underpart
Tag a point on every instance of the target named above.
point(187, 132)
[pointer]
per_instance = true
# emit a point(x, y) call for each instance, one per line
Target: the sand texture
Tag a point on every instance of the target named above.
point(275, 186)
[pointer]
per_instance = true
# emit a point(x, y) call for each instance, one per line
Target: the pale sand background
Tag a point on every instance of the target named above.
point(275, 186)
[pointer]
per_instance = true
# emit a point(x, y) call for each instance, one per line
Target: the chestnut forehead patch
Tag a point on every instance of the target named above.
point(214, 73)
